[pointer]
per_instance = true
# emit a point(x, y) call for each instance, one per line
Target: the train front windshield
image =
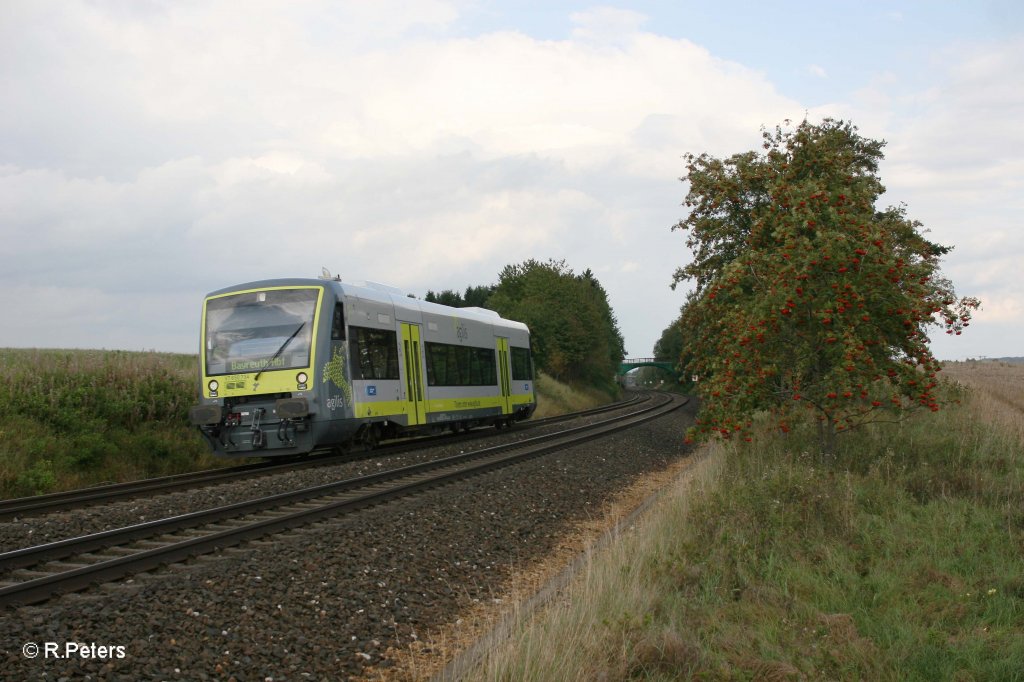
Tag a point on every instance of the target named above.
point(259, 330)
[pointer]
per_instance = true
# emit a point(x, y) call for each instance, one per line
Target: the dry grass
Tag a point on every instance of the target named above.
point(998, 389)
point(587, 632)
point(555, 398)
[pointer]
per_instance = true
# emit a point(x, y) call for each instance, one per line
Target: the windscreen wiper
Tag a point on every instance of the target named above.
point(278, 353)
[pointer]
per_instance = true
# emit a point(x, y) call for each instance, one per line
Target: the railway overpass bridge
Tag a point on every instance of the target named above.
point(635, 363)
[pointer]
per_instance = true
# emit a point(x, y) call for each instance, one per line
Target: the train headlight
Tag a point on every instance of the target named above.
point(213, 385)
point(301, 377)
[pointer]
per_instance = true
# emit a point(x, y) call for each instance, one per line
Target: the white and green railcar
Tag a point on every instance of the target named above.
point(289, 366)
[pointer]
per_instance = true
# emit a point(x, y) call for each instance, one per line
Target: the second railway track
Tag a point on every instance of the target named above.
point(103, 494)
point(35, 574)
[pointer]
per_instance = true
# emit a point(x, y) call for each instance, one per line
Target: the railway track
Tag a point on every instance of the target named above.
point(35, 574)
point(74, 499)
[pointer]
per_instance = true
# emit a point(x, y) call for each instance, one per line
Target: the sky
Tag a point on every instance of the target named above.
point(152, 152)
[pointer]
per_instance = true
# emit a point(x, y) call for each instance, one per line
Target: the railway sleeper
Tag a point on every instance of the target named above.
point(172, 538)
point(114, 552)
point(229, 524)
point(304, 506)
point(98, 556)
point(61, 566)
point(30, 574)
point(267, 515)
point(154, 543)
point(209, 529)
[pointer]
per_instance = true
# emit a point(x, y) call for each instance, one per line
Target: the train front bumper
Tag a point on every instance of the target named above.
point(262, 428)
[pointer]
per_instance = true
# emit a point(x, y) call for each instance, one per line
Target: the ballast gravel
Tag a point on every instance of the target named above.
point(37, 530)
point(329, 601)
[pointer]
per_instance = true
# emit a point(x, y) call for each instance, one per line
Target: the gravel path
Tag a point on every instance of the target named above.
point(329, 600)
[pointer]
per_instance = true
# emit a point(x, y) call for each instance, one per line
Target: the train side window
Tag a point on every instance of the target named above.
point(338, 323)
point(373, 353)
point(521, 370)
point(451, 365)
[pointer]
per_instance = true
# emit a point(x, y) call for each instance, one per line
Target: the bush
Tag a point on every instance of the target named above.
point(39, 478)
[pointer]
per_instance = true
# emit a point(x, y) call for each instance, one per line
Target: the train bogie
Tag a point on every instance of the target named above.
point(290, 366)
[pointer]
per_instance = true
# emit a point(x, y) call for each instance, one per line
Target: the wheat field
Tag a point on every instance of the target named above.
point(997, 386)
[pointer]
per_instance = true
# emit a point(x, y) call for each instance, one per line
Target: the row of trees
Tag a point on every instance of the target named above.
point(474, 297)
point(807, 299)
point(575, 335)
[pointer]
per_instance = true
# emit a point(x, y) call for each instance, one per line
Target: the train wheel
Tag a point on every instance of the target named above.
point(371, 439)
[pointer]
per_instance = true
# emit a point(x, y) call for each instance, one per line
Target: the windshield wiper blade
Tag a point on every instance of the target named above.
point(279, 351)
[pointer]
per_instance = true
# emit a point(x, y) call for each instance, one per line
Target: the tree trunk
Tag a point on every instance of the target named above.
point(827, 440)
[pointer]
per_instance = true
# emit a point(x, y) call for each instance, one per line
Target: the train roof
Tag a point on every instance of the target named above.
point(381, 293)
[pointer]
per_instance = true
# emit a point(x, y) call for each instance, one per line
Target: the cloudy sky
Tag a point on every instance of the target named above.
point(153, 151)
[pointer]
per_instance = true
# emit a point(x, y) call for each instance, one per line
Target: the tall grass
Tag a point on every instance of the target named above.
point(74, 418)
point(555, 397)
point(902, 560)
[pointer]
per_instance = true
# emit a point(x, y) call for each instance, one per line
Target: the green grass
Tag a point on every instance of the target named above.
point(901, 560)
point(75, 418)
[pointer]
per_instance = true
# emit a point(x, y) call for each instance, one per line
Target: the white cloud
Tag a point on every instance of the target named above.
point(954, 158)
point(997, 307)
point(606, 26)
point(160, 151)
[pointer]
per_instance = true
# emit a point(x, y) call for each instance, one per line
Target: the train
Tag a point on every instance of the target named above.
point(292, 366)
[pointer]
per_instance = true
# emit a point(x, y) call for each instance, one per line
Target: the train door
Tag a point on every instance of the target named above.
point(504, 375)
point(416, 406)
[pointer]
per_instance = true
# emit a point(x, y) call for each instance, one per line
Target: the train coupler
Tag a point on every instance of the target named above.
point(259, 438)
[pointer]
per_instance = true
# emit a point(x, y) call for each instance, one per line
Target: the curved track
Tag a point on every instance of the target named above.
point(37, 573)
point(74, 499)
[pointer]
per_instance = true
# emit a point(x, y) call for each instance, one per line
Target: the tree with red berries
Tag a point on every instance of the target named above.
point(808, 299)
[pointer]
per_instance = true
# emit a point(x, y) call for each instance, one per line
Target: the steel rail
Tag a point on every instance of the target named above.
point(102, 494)
point(360, 492)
